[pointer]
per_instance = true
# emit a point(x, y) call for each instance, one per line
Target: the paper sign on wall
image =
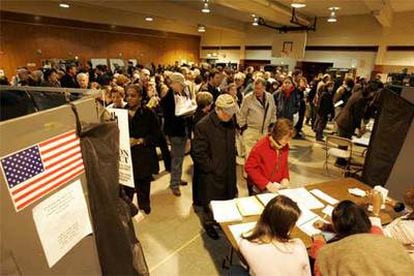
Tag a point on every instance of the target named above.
point(126, 174)
point(62, 221)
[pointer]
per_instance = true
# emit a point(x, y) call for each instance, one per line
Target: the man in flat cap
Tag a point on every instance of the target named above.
point(214, 155)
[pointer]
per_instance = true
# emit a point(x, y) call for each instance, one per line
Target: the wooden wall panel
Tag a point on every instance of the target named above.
point(21, 40)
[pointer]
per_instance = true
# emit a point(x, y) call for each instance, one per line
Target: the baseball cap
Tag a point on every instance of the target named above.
point(227, 103)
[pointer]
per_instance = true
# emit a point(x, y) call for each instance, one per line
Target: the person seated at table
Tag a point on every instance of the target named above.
point(354, 249)
point(402, 228)
point(267, 165)
point(269, 248)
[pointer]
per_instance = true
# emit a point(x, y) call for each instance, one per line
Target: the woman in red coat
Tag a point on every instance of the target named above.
point(267, 165)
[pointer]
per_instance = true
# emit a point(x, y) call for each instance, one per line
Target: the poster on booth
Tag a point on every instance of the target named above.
point(126, 174)
point(62, 221)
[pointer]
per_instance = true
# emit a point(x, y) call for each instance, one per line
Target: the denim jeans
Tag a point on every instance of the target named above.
point(177, 159)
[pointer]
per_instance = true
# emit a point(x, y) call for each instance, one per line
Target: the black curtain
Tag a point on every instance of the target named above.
point(387, 138)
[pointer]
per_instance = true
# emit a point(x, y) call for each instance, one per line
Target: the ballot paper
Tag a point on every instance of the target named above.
point(243, 228)
point(266, 197)
point(339, 103)
point(308, 227)
point(62, 221)
point(225, 210)
point(324, 196)
point(249, 206)
point(328, 210)
point(357, 192)
point(306, 216)
point(302, 197)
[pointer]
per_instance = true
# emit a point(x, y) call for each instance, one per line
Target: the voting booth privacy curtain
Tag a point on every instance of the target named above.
point(119, 251)
point(388, 136)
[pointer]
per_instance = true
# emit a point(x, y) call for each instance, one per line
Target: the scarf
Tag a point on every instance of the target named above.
point(288, 92)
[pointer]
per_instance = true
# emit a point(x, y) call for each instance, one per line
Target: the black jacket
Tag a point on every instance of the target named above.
point(69, 82)
point(144, 125)
point(173, 126)
point(214, 154)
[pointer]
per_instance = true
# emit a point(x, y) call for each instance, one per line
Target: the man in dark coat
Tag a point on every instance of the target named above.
point(69, 79)
point(214, 156)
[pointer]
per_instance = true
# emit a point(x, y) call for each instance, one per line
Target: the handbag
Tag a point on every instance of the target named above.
point(184, 105)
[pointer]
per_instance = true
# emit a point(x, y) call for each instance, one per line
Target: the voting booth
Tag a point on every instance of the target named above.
point(53, 215)
point(390, 153)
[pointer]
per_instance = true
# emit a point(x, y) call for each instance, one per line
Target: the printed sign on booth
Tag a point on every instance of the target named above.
point(126, 175)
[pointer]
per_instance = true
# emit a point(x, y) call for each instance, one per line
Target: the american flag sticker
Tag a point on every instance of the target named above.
point(33, 172)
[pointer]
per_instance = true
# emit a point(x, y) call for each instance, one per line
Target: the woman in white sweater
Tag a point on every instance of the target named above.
point(268, 249)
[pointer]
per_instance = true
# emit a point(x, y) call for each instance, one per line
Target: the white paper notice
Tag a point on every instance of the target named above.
point(62, 221)
point(126, 174)
point(302, 197)
point(249, 206)
point(225, 210)
point(324, 196)
point(238, 229)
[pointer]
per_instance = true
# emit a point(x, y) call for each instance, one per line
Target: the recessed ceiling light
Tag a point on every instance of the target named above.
point(149, 19)
point(64, 5)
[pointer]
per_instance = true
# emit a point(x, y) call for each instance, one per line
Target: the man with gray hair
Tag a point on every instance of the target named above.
point(257, 115)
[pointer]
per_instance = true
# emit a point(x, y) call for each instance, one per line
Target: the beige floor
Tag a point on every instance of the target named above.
point(173, 240)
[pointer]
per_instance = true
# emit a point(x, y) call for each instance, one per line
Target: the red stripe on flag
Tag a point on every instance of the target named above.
point(59, 153)
point(34, 181)
point(71, 176)
point(58, 146)
point(61, 161)
point(44, 184)
point(54, 139)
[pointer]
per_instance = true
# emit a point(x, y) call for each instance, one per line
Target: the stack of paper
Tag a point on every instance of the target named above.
point(265, 198)
point(308, 227)
point(225, 210)
point(306, 216)
point(357, 192)
point(249, 206)
point(302, 197)
point(243, 228)
point(328, 210)
point(324, 196)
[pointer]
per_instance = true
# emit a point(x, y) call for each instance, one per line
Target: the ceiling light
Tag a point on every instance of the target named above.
point(332, 16)
point(297, 4)
point(201, 28)
point(205, 8)
point(208, 55)
point(64, 5)
point(149, 19)
point(255, 21)
point(332, 19)
point(214, 54)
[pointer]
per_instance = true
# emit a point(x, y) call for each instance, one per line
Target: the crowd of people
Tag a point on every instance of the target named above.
point(229, 114)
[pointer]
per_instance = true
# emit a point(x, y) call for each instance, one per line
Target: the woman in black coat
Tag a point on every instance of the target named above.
point(144, 131)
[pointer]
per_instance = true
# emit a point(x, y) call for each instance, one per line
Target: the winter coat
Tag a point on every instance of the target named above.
point(213, 151)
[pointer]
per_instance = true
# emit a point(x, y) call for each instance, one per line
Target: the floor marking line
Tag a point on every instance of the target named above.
point(175, 252)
